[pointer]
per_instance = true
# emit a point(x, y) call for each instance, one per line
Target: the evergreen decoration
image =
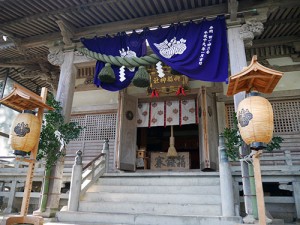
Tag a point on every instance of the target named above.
point(274, 144)
point(107, 74)
point(55, 134)
point(233, 141)
point(141, 78)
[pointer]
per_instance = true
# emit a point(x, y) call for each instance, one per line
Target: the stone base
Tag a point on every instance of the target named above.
point(249, 219)
point(49, 213)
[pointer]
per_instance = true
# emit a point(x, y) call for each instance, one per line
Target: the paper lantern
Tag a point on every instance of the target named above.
point(25, 131)
point(255, 120)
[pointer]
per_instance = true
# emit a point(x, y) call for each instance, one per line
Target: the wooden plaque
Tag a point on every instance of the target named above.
point(160, 161)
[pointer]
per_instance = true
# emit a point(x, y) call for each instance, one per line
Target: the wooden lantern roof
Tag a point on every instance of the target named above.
point(23, 99)
point(254, 77)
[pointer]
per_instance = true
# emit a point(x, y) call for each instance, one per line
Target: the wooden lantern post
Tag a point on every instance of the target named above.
point(23, 99)
point(262, 79)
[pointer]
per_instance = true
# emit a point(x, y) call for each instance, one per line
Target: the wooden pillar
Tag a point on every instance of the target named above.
point(66, 85)
point(259, 188)
point(65, 93)
point(238, 61)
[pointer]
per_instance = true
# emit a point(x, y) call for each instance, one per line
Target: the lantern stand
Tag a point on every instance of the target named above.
point(262, 79)
point(23, 99)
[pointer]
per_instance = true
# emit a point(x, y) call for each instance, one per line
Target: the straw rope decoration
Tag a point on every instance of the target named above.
point(121, 61)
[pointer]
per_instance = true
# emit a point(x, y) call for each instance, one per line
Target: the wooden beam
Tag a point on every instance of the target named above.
point(137, 23)
point(233, 9)
point(281, 21)
point(276, 95)
point(243, 5)
point(67, 31)
point(289, 68)
point(54, 12)
point(16, 40)
point(287, 40)
point(22, 59)
point(150, 21)
point(128, 25)
point(11, 65)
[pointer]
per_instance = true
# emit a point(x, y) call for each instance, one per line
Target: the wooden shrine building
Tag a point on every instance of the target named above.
point(41, 45)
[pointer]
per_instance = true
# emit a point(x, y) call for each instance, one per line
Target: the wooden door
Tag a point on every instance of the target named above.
point(126, 134)
point(208, 130)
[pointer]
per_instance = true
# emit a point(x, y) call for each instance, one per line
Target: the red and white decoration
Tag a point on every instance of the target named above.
point(157, 114)
point(172, 113)
point(143, 115)
point(188, 112)
point(167, 113)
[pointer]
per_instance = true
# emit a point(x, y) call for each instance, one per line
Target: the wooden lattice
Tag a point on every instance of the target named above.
point(286, 116)
point(96, 126)
point(85, 72)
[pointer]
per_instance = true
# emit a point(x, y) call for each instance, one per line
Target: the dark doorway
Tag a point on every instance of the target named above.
point(156, 139)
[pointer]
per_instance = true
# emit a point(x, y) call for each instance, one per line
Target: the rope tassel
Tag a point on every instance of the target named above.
point(107, 74)
point(141, 78)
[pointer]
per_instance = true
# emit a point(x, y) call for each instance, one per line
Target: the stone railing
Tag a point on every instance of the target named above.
point(84, 177)
point(12, 183)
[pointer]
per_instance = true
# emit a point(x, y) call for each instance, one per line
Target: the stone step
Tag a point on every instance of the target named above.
point(150, 208)
point(85, 218)
point(171, 181)
point(153, 198)
point(208, 190)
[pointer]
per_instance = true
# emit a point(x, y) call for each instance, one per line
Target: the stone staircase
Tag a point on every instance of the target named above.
point(160, 198)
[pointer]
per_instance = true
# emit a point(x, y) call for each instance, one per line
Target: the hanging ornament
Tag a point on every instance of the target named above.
point(154, 93)
point(141, 78)
point(180, 91)
point(107, 74)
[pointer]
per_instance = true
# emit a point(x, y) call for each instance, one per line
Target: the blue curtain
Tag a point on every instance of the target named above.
point(198, 51)
point(120, 45)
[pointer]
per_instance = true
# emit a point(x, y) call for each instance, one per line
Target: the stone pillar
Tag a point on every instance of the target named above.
point(12, 193)
point(76, 180)
point(106, 151)
point(226, 183)
point(237, 34)
point(296, 191)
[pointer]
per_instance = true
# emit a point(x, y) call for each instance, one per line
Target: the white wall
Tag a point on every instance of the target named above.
point(289, 80)
point(94, 98)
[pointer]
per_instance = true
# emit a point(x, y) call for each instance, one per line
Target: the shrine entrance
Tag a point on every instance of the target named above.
point(143, 137)
point(153, 143)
